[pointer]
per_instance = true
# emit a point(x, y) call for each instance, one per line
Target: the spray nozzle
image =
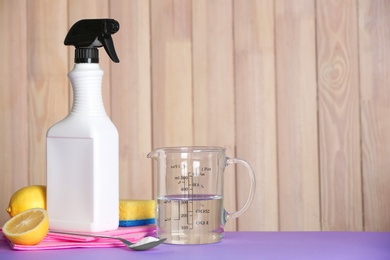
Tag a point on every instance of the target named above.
point(90, 34)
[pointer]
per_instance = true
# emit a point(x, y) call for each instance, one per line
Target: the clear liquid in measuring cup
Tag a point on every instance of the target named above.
point(195, 219)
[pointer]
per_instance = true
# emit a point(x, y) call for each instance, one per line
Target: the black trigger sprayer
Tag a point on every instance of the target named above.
point(88, 35)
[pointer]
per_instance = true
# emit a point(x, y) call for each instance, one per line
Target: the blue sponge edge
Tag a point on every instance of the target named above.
point(138, 222)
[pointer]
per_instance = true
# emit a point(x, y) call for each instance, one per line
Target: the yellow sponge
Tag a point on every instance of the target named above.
point(136, 212)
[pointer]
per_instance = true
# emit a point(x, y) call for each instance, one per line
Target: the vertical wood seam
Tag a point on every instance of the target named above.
point(151, 124)
point(276, 115)
point(235, 105)
point(318, 114)
point(360, 112)
point(27, 97)
point(110, 66)
point(192, 76)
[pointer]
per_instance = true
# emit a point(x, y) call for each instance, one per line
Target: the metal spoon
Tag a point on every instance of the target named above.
point(144, 244)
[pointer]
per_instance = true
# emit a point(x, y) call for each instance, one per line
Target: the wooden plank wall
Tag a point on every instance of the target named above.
point(298, 88)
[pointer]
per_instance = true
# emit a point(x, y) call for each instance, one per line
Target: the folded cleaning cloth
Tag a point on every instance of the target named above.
point(60, 241)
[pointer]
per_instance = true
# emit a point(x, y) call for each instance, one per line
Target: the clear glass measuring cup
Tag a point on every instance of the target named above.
point(190, 193)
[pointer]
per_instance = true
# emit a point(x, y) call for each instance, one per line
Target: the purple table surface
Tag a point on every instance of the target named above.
point(239, 245)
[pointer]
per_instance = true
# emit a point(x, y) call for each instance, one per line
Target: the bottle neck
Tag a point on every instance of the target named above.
point(86, 79)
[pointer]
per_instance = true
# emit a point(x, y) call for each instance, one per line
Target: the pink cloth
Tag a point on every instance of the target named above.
point(60, 241)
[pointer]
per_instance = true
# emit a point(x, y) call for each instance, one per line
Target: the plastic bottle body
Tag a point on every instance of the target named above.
point(82, 160)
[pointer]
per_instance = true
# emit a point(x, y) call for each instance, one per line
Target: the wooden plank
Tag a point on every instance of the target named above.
point(131, 97)
point(297, 115)
point(91, 9)
point(374, 49)
point(339, 119)
point(47, 61)
point(13, 102)
point(213, 79)
point(172, 72)
point(256, 109)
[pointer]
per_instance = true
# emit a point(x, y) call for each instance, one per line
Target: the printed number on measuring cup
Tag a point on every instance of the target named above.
point(202, 211)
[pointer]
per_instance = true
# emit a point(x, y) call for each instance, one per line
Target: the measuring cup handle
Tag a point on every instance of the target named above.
point(251, 189)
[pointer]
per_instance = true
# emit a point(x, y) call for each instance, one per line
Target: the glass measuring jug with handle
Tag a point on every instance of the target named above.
point(190, 193)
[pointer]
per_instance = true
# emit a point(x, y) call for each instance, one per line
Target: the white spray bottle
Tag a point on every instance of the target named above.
point(82, 149)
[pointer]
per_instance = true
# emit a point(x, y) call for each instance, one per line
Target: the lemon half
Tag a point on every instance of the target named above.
point(27, 228)
point(33, 196)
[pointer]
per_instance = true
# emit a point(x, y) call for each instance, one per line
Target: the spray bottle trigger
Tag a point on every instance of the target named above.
point(108, 45)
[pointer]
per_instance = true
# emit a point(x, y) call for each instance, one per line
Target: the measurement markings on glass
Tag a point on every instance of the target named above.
point(190, 204)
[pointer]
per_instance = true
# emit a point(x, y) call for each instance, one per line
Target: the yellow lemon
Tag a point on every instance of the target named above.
point(27, 228)
point(29, 197)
